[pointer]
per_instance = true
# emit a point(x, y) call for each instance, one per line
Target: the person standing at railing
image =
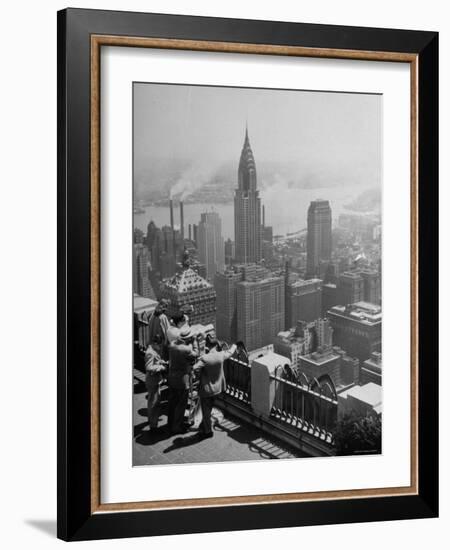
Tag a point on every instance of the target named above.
point(182, 356)
point(158, 325)
point(155, 369)
point(212, 380)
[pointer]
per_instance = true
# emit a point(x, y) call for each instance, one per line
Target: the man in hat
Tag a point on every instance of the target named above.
point(212, 379)
point(182, 355)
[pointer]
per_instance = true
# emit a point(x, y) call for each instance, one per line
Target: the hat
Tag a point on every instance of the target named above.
point(186, 333)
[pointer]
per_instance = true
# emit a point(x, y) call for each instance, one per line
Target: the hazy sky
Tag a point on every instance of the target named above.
point(335, 136)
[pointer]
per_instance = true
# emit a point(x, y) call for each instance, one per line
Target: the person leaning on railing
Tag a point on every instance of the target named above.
point(212, 379)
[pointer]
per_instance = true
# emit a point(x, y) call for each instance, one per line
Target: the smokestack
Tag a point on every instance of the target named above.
point(182, 220)
point(264, 216)
point(190, 232)
point(171, 213)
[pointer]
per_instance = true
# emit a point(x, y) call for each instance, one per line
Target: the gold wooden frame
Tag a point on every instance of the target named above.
point(97, 41)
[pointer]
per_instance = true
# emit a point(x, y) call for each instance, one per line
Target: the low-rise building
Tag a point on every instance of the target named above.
point(321, 363)
point(371, 369)
point(357, 328)
point(361, 400)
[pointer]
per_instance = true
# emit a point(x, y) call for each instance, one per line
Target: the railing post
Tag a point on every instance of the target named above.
point(263, 387)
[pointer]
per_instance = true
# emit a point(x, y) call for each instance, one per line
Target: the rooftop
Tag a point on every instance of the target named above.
point(350, 275)
point(364, 312)
point(305, 282)
point(233, 439)
point(369, 393)
point(187, 281)
point(141, 304)
point(320, 357)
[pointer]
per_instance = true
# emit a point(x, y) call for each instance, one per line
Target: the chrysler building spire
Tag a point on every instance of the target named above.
point(247, 208)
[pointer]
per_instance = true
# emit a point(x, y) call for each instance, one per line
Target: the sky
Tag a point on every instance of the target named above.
point(189, 132)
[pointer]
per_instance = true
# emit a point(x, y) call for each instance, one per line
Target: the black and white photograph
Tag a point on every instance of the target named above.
point(256, 273)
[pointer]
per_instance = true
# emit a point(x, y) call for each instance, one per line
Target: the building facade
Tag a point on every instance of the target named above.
point(211, 251)
point(319, 240)
point(357, 328)
point(372, 285)
point(260, 311)
point(303, 301)
point(229, 252)
point(329, 297)
point(141, 279)
point(321, 363)
point(295, 342)
point(371, 369)
point(226, 319)
point(188, 292)
point(350, 288)
point(247, 209)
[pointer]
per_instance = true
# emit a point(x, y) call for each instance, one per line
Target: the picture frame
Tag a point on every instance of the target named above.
point(81, 35)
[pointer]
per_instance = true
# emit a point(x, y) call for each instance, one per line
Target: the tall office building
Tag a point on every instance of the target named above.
point(210, 245)
point(225, 284)
point(229, 251)
point(303, 301)
point(350, 288)
point(260, 311)
point(318, 242)
point(372, 285)
point(247, 209)
point(226, 317)
point(324, 334)
point(141, 280)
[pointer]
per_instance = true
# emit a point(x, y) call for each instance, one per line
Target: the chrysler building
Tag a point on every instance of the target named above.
point(247, 209)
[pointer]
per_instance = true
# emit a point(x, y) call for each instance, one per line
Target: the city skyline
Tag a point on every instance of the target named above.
point(294, 136)
point(304, 306)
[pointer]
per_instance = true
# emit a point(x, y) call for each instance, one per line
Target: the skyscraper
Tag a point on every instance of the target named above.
point(350, 288)
point(260, 311)
point(247, 209)
point(226, 317)
point(141, 280)
point(211, 250)
point(303, 301)
point(229, 251)
point(250, 304)
point(318, 244)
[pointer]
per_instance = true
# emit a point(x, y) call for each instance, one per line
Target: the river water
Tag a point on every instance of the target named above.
point(286, 209)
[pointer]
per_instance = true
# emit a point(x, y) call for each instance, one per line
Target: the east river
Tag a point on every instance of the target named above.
point(286, 211)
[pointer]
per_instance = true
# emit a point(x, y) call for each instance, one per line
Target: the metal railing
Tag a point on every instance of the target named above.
point(238, 377)
point(302, 404)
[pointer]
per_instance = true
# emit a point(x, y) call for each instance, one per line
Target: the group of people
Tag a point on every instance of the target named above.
point(173, 354)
